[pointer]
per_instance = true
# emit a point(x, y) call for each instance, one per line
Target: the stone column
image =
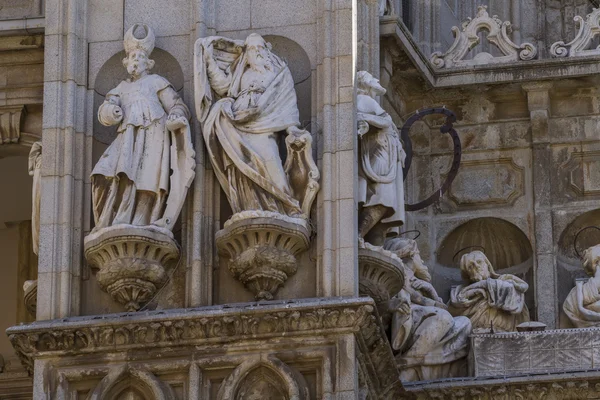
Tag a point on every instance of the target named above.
point(336, 205)
point(538, 100)
point(63, 166)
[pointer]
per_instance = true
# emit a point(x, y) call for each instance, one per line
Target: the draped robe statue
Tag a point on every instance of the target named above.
point(431, 343)
point(381, 157)
point(489, 300)
point(143, 176)
point(582, 305)
point(255, 102)
point(34, 168)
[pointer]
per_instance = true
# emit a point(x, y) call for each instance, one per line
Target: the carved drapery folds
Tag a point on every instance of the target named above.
point(467, 38)
point(245, 99)
point(581, 305)
point(141, 181)
point(589, 28)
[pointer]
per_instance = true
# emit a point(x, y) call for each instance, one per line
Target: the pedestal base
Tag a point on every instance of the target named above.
point(262, 250)
point(132, 261)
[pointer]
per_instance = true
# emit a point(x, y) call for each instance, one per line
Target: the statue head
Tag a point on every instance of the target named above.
point(475, 266)
point(408, 250)
point(591, 260)
point(258, 52)
point(368, 85)
point(138, 51)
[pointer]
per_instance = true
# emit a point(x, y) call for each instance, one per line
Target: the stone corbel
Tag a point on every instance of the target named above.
point(11, 118)
point(467, 38)
point(588, 30)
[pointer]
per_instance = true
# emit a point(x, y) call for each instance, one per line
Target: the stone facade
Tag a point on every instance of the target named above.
point(225, 203)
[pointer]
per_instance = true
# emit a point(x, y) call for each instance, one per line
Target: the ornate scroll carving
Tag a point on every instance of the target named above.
point(256, 103)
point(467, 38)
point(141, 181)
point(264, 377)
point(588, 30)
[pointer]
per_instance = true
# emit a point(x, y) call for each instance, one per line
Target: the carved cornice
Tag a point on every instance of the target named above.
point(219, 324)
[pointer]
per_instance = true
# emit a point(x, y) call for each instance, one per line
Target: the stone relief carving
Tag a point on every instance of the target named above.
point(431, 344)
point(140, 182)
point(244, 99)
point(490, 300)
point(128, 382)
point(264, 377)
point(34, 168)
point(11, 118)
point(588, 30)
point(381, 157)
point(467, 38)
point(582, 305)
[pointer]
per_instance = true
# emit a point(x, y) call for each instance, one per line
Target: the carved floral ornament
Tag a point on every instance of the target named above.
point(467, 38)
point(589, 28)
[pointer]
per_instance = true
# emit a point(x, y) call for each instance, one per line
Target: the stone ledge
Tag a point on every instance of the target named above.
point(197, 327)
point(520, 72)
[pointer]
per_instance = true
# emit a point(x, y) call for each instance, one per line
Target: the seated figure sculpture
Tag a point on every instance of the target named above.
point(431, 343)
point(582, 305)
point(490, 300)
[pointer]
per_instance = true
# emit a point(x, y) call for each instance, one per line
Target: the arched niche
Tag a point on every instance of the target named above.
point(568, 263)
point(506, 246)
point(127, 383)
point(264, 378)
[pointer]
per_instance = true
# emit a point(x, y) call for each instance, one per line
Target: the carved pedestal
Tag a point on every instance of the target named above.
point(132, 261)
point(262, 249)
point(381, 276)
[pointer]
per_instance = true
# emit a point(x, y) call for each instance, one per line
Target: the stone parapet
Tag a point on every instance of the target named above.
point(212, 346)
point(513, 354)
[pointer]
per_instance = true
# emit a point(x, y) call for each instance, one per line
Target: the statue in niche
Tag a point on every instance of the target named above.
point(242, 128)
point(140, 183)
point(381, 158)
point(490, 300)
point(245, 101)
point(132, 183)
point(582, 305)
point(431, 343)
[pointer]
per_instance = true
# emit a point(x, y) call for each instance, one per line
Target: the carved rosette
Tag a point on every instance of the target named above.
point(381, 276)
point(262, 249)
point(132, 261)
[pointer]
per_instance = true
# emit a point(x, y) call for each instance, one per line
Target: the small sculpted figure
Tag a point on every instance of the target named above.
point(582, 305)
point(34, 167)
point(431, 343)
point(489, 300)
point(381, 157)
point(255, 103)
point(143, 176)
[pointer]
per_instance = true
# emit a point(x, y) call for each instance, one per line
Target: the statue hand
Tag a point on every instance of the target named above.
point(175, 121)
point(247, 114)
point(363, 127)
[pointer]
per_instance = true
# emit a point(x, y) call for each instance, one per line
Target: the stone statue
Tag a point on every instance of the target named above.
point(431, 343)
point(381, 157)
point(490, 300)
point(241, 129)
point(34, 167)
point(140, 183)
point(132, 183)
point(582, 305)
point(245, 101)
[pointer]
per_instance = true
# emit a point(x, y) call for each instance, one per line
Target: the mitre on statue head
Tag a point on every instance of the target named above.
point(130, 42)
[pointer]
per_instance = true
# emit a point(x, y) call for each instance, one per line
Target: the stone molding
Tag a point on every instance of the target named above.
point(80, 336)
point(467, 38)
point(546, 387)
point(589, 28)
